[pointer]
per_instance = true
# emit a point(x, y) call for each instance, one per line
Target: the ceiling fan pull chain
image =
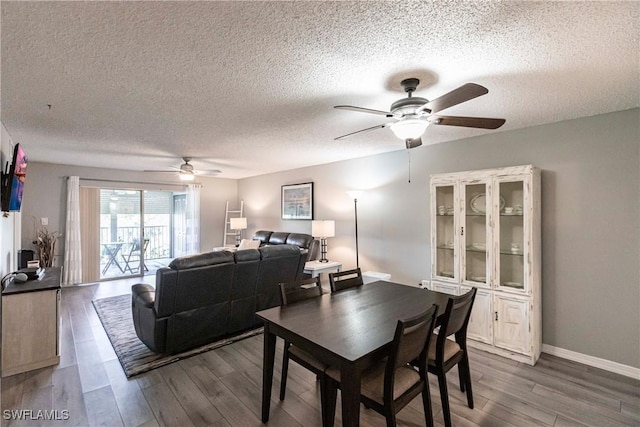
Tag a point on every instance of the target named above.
point(409, 152)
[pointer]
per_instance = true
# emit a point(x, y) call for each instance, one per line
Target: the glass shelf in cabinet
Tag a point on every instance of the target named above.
point(476, 214)
point(449, 248)
point(474, 249)
point(515, 285)
point(510, 252)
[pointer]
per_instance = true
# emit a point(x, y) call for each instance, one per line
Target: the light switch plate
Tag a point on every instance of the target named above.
point(44, 221)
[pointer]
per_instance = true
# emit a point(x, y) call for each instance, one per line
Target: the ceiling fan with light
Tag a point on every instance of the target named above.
point(186, 172)
point(412, 114)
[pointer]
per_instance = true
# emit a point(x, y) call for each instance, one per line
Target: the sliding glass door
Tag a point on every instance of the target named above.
point(121, 233)
point(135, 231)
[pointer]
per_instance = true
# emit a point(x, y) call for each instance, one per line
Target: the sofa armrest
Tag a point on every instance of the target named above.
point(143, 295)
point(150, 329)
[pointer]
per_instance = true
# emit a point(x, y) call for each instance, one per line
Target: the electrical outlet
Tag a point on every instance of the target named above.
point(44, 220)
point(424, 284)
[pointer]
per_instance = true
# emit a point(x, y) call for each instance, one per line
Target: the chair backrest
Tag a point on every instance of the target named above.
point(135, 247)
point(456, 318)
point(345, 279)
point(410, 343)
point(294, 292)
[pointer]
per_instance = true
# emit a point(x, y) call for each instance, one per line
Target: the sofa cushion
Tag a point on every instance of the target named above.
point(279, 251)
point(245, 274)
point(247, 255)
point(298, 239)
point(248, 244)
point(262, 236)
point(201, 260)
point(278, 238)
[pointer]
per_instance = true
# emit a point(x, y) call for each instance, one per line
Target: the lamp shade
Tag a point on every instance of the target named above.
point(409, 128)
point(325, 228)
point(238, 223)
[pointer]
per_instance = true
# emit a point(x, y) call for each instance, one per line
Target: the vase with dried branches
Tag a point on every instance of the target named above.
point(46, 245)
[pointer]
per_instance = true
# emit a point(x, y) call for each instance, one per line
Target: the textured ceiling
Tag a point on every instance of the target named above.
point(248, 87)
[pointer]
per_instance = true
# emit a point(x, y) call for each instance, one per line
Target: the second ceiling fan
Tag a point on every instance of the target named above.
point(186, 172)
point(412, 114)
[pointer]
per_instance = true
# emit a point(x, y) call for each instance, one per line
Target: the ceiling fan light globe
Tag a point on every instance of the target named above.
point(188, 176)
point(409, 128)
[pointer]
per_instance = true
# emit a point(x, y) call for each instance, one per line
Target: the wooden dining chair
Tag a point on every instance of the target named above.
point(392, 383)
point(345, 279)
point(446, 353)
point(289, 294)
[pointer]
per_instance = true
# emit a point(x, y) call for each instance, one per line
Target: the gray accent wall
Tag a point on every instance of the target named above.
point(590, 219)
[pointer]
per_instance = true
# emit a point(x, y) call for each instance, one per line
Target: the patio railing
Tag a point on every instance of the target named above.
point(159, 239)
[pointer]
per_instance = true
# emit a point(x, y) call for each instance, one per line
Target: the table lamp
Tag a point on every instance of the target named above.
point(323, 229)
point(238, 224)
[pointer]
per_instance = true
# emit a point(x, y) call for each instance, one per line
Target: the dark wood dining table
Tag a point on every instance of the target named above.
point(350, 329)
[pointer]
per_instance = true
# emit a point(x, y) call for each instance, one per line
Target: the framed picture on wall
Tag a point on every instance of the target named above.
point(297, 201)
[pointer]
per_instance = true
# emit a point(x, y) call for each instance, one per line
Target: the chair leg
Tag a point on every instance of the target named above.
point(467, 374)
point(461, 378)
point(426, 403)
point(444, 397)
point(285, 369)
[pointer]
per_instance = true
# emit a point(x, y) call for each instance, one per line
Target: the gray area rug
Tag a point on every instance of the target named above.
point(134, 356)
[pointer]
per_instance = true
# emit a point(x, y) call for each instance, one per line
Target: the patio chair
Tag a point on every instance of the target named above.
point(135, 255)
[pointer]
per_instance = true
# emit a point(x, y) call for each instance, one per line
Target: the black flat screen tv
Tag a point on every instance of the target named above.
point(13, 180)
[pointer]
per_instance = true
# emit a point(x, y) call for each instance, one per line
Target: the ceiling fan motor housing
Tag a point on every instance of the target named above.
point(410, 85)
point(407, 106)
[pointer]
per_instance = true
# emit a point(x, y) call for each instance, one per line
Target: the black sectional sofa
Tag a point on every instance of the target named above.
point(201, 298)
point(304, 241)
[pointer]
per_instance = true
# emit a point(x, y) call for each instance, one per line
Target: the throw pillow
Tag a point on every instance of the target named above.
point(249, 244)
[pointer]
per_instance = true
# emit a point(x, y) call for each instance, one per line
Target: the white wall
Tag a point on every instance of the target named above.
point(45, 196)
point(590, 219)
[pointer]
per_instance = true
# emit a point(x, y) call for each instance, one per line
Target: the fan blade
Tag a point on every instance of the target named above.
point(207, 172)
point(362, 130)
point(413, 143)
point(363, 110)
point(457, 96)
point(163, 171)
point(470, 122)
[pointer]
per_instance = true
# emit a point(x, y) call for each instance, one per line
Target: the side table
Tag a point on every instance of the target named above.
point(314, 268)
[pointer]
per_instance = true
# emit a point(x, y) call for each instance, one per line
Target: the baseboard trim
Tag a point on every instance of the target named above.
point(596, 362)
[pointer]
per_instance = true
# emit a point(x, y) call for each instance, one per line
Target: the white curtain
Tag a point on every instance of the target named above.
point(192, 218)
point(72, 271)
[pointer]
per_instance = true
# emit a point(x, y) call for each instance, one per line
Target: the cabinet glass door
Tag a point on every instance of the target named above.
point(513, 245)
point(445, 231)
point(475, 258)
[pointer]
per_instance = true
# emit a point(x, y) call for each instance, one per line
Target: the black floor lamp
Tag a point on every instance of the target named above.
point(354, 195)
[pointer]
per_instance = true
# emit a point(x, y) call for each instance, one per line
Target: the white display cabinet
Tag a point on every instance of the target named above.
point(485, 233)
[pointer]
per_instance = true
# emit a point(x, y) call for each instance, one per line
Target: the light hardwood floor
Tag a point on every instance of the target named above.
point(222, 387)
